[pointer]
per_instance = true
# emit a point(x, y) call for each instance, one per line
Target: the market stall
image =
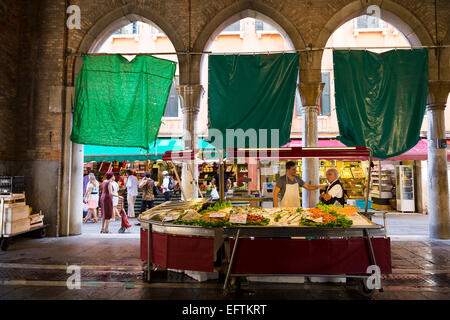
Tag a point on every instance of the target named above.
point(196, 235)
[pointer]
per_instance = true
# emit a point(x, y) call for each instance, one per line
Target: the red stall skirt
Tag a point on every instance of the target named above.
point(179, 252)
point(315, 256)
point(271, 255)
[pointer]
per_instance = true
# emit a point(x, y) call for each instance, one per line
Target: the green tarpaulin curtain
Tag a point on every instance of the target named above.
point(252, 92)
point(381, 98)
point(120, 102)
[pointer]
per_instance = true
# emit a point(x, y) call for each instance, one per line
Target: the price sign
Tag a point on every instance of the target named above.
point(238, 218)
point(217, 215)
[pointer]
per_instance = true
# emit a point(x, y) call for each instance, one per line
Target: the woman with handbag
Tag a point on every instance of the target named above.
point(106, 202)
point(91, 197)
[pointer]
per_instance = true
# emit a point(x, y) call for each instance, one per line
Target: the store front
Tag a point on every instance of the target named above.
point(103, 159)
point(398, 184)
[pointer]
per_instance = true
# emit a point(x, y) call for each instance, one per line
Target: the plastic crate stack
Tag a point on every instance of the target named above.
point(10, 184)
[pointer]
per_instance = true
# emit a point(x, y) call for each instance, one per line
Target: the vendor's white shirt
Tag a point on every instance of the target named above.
point(336, 191)
point(132, 186)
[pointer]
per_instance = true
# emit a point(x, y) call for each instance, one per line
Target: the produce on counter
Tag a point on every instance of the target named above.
point(203, 214)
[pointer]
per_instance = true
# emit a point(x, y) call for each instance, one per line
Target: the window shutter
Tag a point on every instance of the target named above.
point(172, 103)
point(298, 104)
point(325, 101)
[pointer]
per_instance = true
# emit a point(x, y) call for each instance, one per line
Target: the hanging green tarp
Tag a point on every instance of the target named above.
point(120, 102)
point(381, 98)
point(252, 93)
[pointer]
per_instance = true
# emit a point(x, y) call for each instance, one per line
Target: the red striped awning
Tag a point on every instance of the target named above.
point(418, 152)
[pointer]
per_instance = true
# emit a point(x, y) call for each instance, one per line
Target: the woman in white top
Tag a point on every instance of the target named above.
point(91, 197)
point(115, 194)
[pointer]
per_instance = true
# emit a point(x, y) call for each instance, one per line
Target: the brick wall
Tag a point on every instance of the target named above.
point(9, 51)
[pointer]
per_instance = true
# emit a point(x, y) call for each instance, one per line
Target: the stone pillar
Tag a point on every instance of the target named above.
point(190, 96)
point(310, 94)
point(76, 189)
point(439, 222)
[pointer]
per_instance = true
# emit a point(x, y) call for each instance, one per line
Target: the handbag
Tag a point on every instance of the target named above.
point(155, 190)
point(85, 207)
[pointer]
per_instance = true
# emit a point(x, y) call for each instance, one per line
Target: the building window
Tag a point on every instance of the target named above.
point(298, 103)
point(172, 103)
point(262, 26)
point(131, 28)
point(325, 101)
point(367, 22)
point(235, 27)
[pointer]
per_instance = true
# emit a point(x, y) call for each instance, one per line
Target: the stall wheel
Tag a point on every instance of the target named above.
point(235, 283)
point(144, 276)
point(366, 292)
point(42, 233)
point(4, 244)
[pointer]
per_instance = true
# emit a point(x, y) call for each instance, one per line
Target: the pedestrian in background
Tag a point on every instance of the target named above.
point(148, 197)
point(167, 186)
point(85, 183)
point(115, 189)
point(106, 202)
point(132, 192)
point(91, 197)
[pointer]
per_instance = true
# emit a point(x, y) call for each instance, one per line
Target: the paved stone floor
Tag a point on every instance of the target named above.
point(111, 269)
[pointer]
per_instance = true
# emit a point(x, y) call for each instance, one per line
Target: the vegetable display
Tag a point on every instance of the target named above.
point(223, 214)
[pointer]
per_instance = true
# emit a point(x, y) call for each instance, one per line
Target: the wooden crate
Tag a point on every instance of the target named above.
point(16, 211)
point(13, 198)
point(11, 228)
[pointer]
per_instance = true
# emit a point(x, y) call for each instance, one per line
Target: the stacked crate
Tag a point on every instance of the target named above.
point(16, 214)
point(36, 220)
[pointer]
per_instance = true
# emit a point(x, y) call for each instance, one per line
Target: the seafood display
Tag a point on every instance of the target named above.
point(201, 213)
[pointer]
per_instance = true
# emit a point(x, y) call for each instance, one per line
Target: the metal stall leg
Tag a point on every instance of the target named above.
point(371, 253)
point(149, 248)
point(225, 285)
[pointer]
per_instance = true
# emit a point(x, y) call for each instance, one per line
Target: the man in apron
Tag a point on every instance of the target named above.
point(288, 187)
point(334, 193)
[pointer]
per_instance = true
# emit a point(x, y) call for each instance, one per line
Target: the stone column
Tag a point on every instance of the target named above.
point(310, 93)
point(439, 222)
point(76, 189)
point(190, 96)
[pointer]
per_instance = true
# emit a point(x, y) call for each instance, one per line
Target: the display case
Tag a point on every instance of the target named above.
point(381, 184)
point(405, 188)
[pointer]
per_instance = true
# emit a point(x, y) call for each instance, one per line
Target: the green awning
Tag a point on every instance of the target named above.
point(157, 150)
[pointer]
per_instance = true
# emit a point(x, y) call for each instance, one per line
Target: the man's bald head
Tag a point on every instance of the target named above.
point(332, 174)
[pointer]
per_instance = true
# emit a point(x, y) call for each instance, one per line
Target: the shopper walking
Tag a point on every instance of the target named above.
point(115, 189)
point(132, 192)
point(85, 183)
point(167, 186)
point(91, 197)
point(148, 197)
point(106, 202)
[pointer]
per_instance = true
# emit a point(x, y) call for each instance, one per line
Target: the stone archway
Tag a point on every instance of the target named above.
point(93, 39)
point(234, 13)
point(97, 34)
point(414, 30)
